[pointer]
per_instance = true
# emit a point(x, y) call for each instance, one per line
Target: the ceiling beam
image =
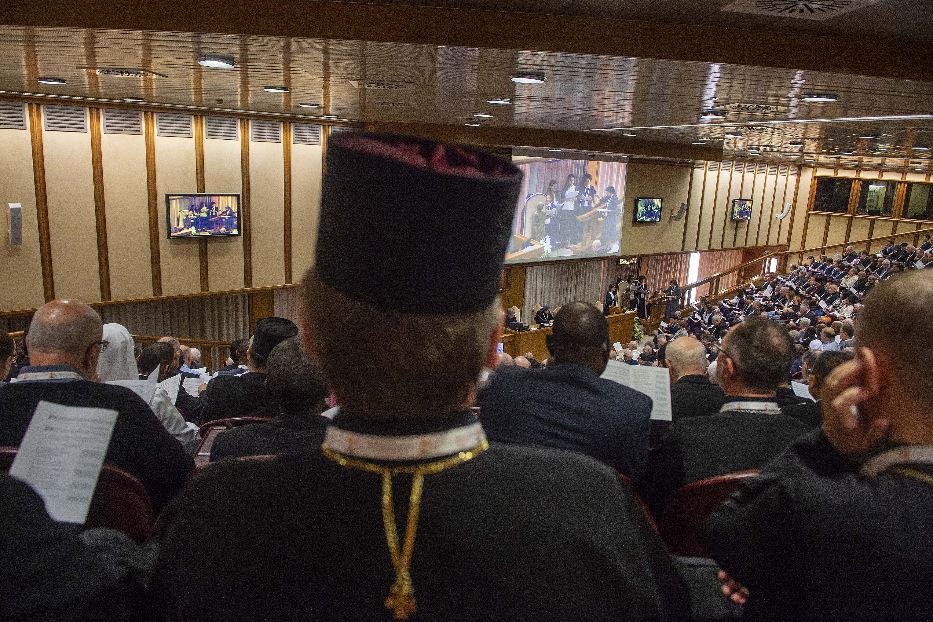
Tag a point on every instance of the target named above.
point(487, 29)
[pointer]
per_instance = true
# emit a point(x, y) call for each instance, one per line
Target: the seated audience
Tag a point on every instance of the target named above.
point(245, 395)
point(65, 341)
point(298, 391)
point(7, 356)
point(156, 356)
point(117, 366)
point(164, 357)
point(503, 532)
point(692, 394)
point(237, 358)
point(838, 527)
point(809, 412)
point(747, 431)
point(567, 405)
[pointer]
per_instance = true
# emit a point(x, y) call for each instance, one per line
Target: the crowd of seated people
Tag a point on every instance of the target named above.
point(519, 509)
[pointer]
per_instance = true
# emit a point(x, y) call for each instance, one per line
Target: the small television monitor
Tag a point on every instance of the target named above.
point(741, 209)
point(647, 210)
point(202, 215)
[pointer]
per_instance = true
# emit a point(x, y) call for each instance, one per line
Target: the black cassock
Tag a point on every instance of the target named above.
point(813, 539)
point(514, 533)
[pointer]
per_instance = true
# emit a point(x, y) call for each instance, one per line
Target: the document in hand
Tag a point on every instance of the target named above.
point(61, 456)
point(655, 382)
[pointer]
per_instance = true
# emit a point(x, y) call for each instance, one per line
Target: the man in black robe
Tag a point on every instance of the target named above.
point(503, 532)
point(838, 527)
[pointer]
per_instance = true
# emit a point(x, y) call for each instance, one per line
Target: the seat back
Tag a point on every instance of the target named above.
point(120, 501)
point(690, 506)
point(231, 422)
point(627, 481)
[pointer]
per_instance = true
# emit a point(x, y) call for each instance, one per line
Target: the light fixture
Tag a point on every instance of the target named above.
point(276, 89)
point(921, 148)
point(216, 61)
point(713, 115)
point(133, 100)
point(630, 134)
point(500, 101)
point(51, 81)
point(733, 135)
point(472, 124)
point(529, 78)
point(307, 105)
point(698, 142)
point(482, 115)
point(819, 98)
point(870, 136)
point(329, 117)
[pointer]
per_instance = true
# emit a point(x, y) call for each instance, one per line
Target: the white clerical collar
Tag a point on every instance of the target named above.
point(749, 405)
point(914, 454)
point(413, 447)
point(59, 372)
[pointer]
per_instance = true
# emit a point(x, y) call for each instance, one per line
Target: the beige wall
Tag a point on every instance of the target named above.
point(73, 226)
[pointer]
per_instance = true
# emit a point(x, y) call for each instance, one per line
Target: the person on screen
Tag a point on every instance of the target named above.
point(552, 211)
point(568, 217)
point(610, 202)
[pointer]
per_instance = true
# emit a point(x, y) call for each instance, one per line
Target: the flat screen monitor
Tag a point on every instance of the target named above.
point(647, 209)
point(202, 215)
point(741, 209)
point(567, 209)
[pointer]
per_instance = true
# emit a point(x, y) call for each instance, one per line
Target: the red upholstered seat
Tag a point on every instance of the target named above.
point(687, 511)
point(120, 502)
point(232, 422)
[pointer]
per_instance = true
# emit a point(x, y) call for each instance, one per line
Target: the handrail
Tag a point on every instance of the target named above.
point(880, 238)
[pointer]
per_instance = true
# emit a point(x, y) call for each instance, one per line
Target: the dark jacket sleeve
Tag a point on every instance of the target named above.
point(631, 442)
point(666, 471)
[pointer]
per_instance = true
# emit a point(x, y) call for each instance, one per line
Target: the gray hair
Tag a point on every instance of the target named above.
point(64, 326)
point(686, 354)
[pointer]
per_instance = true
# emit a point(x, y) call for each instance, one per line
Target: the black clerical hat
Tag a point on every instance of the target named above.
point(270, 332)
point(412, 225)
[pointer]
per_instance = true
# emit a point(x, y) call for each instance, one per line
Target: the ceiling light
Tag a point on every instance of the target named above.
point(500, 101)
point(819, 98)
point(698, 142)
point(216, 61)
point(630, 134)
point(51, 81)
point(275, 89)
point(473, 124)
point(921, 148)
point(307, 105)
point(482, 115)
point(529, 78)
point(555, 149)
point(329, 117)
point(733, 135)
point(713, 115)
point(133, 100)
point(870, 136)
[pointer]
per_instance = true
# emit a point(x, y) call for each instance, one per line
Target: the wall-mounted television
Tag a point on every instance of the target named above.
point(741, 209)
point(202, 215)
point(647, 209)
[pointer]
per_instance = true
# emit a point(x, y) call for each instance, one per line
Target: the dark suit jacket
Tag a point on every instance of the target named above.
point(284, 434)
point(807, 412)
point(236, 396)
point(694, 396)
point(700, 447)
point(140, 445)
point(568, 406)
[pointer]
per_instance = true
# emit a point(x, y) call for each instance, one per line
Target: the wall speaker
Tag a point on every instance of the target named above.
point(15, 220)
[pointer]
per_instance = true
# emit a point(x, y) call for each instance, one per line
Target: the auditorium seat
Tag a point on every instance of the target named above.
point(687, 511)
point(120, 501)
point(232, 422)
point(625, 479)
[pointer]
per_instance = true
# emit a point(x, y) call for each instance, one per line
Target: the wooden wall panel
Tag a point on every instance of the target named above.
point(124, 162)
point(175, 173)
point(72, 220)
point(222, 175)
point(860, 228)
point(266, 181)
point(21, 276)
point(726, 179)
point(669, 182)
point(883, 227)
point(837, 229)
point(306, 205)
point(814, 232)
point(800, 208)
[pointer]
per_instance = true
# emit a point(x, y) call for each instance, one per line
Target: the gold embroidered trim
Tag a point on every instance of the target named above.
point(915, 474)
point(401, 598)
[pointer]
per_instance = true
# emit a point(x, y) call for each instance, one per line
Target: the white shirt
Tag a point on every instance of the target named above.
point(161, 404)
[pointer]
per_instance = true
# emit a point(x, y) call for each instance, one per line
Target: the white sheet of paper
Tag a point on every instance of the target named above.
point(617, 347)
point(154, 376)
point(171, 386)
point(61, 456)
point(191, 385)
point(824, 305)
point(655, 382)
point(801, 390)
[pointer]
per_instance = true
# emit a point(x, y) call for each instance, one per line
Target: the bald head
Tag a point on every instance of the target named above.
point(580, 335)
point(64, 332)
point(686, 356)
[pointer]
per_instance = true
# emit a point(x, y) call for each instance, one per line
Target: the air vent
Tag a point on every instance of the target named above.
point(125, 72)
point(65, 118)
point(751, 108)
point(798, 9)
point(223, 128)
point(12, 116)
point(170, 125)
point(266, 131)
point(306, 134)
point(118, 121)
point(386, 85)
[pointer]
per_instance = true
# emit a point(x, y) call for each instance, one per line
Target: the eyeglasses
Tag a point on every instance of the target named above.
point(103, 343)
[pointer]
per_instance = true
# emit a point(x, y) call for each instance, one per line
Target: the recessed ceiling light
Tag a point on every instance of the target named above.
point(529, 78)
point(500, 101)
point(713, 115)
point(472, 124)
point(51, 81)
point(630, 134)
point(216, 61)
point(482, 115)
point(555, 149)
point(133, 100)
point(698, 142)
point(275, 89)
point(307, 105)
point(921, 148)
point(819, 98)
point(329, 117)
point(733, 135)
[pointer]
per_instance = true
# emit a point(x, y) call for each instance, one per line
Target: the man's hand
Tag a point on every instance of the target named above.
point(733, 590)
point(845, 389)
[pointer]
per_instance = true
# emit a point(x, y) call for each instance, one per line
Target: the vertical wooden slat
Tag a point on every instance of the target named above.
point(245, 225)
point(712, 220)
point(287, 198)
point(771, 218)
point(806, 216)
point(42, 200)
point(702, 201)
point(735, 234)
point(761, 211)
point(203, 257)
point(683, 243)
point(90, 58)
point(100, 207)
point(152, 203)
point(725, 211)
point(829, 219)
point(261, 305)
point(871, 232)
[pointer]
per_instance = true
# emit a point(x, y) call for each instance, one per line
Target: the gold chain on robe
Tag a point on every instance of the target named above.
point(401, 598)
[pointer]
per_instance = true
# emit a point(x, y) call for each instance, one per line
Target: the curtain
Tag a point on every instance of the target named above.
point(714, 262)
point(287, 303)
point(213, 318)
point(558, 283)
point(660, 269)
